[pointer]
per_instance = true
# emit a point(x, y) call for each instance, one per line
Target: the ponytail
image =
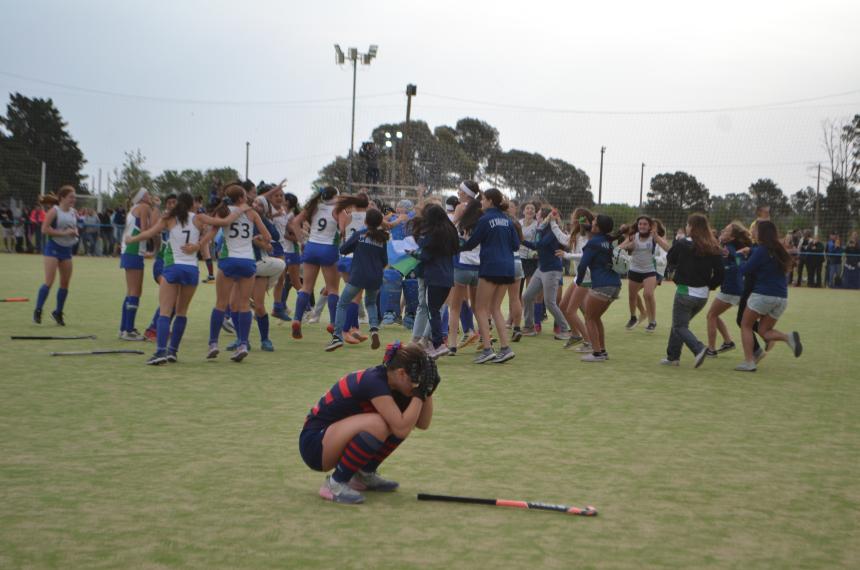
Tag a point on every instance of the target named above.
point(179, 211)
point(324, 194)
point(373, 221)
point(360, 200)
point(233, 194)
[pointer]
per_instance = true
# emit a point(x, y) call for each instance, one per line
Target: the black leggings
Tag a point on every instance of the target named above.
point(749, 283)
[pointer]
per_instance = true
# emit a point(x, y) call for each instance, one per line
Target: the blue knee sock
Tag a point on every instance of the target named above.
point(466, 321)
point(162, 332)
point(61, 299)
point(177, 332)
point(131, 312)
point(228, 314)
point(244, 329)
point(332, 306)
point(42, 297)
point(263, 325)
point(538, 312)
point(154, 323)
point(278, 306)
point(302, 300)
point(215, 322)
point(445, 320)
point(284, 292)
point(351, 317)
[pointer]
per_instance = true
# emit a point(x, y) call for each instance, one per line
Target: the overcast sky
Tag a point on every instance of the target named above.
point(188, 82)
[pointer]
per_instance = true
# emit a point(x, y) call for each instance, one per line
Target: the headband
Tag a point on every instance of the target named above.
point(466, 190)
point(138, 196)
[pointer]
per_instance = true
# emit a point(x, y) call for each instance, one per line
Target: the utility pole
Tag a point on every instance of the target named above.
point(45, 173)
point(600, 184)
point(406, 177)
point(641, 180)
point(247, 155)
point(340, 59)
point(817, 199)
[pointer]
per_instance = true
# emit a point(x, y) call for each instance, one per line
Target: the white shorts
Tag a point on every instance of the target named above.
point(767, 305)
point(270, 267)
point(732, 300)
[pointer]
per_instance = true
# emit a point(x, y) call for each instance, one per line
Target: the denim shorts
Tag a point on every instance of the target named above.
point(311, 447)
point(466, 276)
point(732, 300)
point(610, 292)
point(767, 305)
point(518, 269)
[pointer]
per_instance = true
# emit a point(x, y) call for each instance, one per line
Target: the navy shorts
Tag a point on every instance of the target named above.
point(637, 277)
point(130, 261)
point(292, 258)
point(237, 268)
point(344, 265)
point(181, 274)
point(311, 447)
point(61, 252)
point(320, 254)
point(157, 268)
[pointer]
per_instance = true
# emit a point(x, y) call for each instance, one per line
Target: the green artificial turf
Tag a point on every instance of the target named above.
point(107, 463)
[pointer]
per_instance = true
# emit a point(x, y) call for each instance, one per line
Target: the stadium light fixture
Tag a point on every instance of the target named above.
point(354, 57)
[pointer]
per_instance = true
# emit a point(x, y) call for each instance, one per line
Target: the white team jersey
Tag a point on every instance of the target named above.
point(323, 225)
point(132, 228)
point(529, 233)
point(282, 222)
point(642, 256)
point(179, 236)
point(356, 224)
point(64, 221)
point(237, 238)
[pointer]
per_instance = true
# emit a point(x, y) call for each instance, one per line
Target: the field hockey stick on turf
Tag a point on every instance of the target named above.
point(15, 300)
point(92, 336)
point(584, 511)
point(89, 352)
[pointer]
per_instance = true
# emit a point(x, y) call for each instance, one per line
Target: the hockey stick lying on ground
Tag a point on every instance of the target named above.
point(92, 336)
point(585, 511)
point(15, 300)
point(88, 352)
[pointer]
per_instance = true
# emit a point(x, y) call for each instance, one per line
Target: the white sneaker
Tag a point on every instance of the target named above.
point(667, 362)
point(746, 367)
point(435, 353)
point(331, 490)
point(584, 348)
point(594, 358)
point(562, 336)
point(313, 319)
point(132, 335)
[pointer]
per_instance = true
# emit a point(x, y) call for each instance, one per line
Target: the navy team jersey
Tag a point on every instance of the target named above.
point(349, 396)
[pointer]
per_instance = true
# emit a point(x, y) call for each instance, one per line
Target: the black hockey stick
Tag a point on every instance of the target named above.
point(92, 336)
point(89, 352)
point(584, 511)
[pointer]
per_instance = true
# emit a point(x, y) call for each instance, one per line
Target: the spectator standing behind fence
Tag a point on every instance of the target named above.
point(814, 261)
point(91, 231)
point(106, 232)
point(6, 222)
point(851, 271)
point(834, 261)
point(37, 216)
point(118, 222)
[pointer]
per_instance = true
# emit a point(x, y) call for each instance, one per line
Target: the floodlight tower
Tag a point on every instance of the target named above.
point(353, 56)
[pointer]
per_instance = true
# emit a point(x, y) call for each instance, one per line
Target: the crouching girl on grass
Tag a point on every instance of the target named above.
point(362, 419)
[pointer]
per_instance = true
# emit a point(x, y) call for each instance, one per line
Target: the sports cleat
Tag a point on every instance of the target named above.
point(235, 346)
point(240, 354)
point(631, 324)
point(227, 326)
point(266, 346)
point(573, 341)
point(297, 330)
point(486, 355)
point(700, 358)
point(37, 316)
point(150, 334)
point(58, 318)
point(157, 358)
point(281, 315)
point(711, 353)
point(336, 492)
point(652, 326)
point(504, 355)
point(441, 350)
point(726, 346)
point(171, 356)
point(372, 481)
point(517, 335)
point(746, 367)
point(132, 336)
point(329, 328)
point(795, 344)
point(595, 357)
point(374, 339)
point(469, 338)
point(561, 336)
point(334, 344)
point(667, 362)
point(213, 351)
point(529, 331)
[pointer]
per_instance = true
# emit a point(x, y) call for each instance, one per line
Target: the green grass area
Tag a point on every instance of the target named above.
point(107, 463)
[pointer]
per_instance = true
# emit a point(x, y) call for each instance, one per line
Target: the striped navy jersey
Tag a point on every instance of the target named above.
point(349, 396)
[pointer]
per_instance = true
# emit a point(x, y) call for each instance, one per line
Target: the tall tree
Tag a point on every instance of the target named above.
point(479, 140)
point(672, 196)
point(837, 146)
point(731, 207)
point(764, 191)
point(851, 135)
point(133, 176)
point(37, 133)
point(840, 208)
